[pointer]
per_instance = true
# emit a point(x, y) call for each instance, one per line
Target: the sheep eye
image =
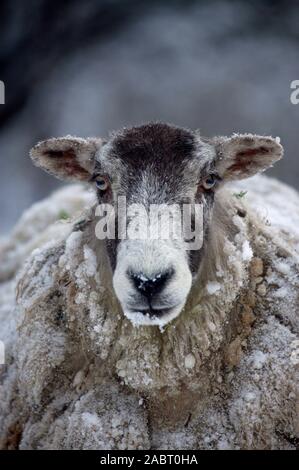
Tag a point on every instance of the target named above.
point(102, 183)
point(209, 182)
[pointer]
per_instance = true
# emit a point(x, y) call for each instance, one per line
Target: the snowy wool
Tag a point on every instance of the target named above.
point(189, 361)
point(79, 375)
point(213, 287)
point(247, 252)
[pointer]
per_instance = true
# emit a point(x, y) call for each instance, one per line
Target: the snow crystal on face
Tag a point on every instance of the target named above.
point(213, 287)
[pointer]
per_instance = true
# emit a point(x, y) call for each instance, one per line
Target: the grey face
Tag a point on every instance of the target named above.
point(155, 164)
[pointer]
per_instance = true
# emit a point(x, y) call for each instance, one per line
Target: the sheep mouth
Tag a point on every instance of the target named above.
point(152, 316)
point(152, 312)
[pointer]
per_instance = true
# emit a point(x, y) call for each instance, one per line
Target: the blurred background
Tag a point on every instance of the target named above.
point(87, 68)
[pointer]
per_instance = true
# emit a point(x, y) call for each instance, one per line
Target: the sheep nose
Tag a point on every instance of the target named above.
point(150, 286)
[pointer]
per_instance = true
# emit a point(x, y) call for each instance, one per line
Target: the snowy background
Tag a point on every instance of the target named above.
point(86, 68)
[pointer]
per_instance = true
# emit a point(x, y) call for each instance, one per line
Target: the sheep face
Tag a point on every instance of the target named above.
point(159, 174)
point(150, 170)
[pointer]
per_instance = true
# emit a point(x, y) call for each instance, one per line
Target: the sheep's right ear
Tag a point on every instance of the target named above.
point(68, 158)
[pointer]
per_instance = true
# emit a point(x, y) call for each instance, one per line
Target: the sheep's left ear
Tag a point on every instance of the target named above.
point(68, 158)
point(241, 156)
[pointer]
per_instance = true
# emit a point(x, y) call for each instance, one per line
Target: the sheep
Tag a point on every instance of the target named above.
point(207, 359)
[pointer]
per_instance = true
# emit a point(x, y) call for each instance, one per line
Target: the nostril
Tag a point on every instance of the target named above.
point(150, 286)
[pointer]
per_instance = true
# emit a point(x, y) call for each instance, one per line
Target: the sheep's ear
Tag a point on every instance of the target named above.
point(241, 156)
point(68, 158)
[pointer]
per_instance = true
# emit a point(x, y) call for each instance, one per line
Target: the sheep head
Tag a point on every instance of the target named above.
point(156, 165)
